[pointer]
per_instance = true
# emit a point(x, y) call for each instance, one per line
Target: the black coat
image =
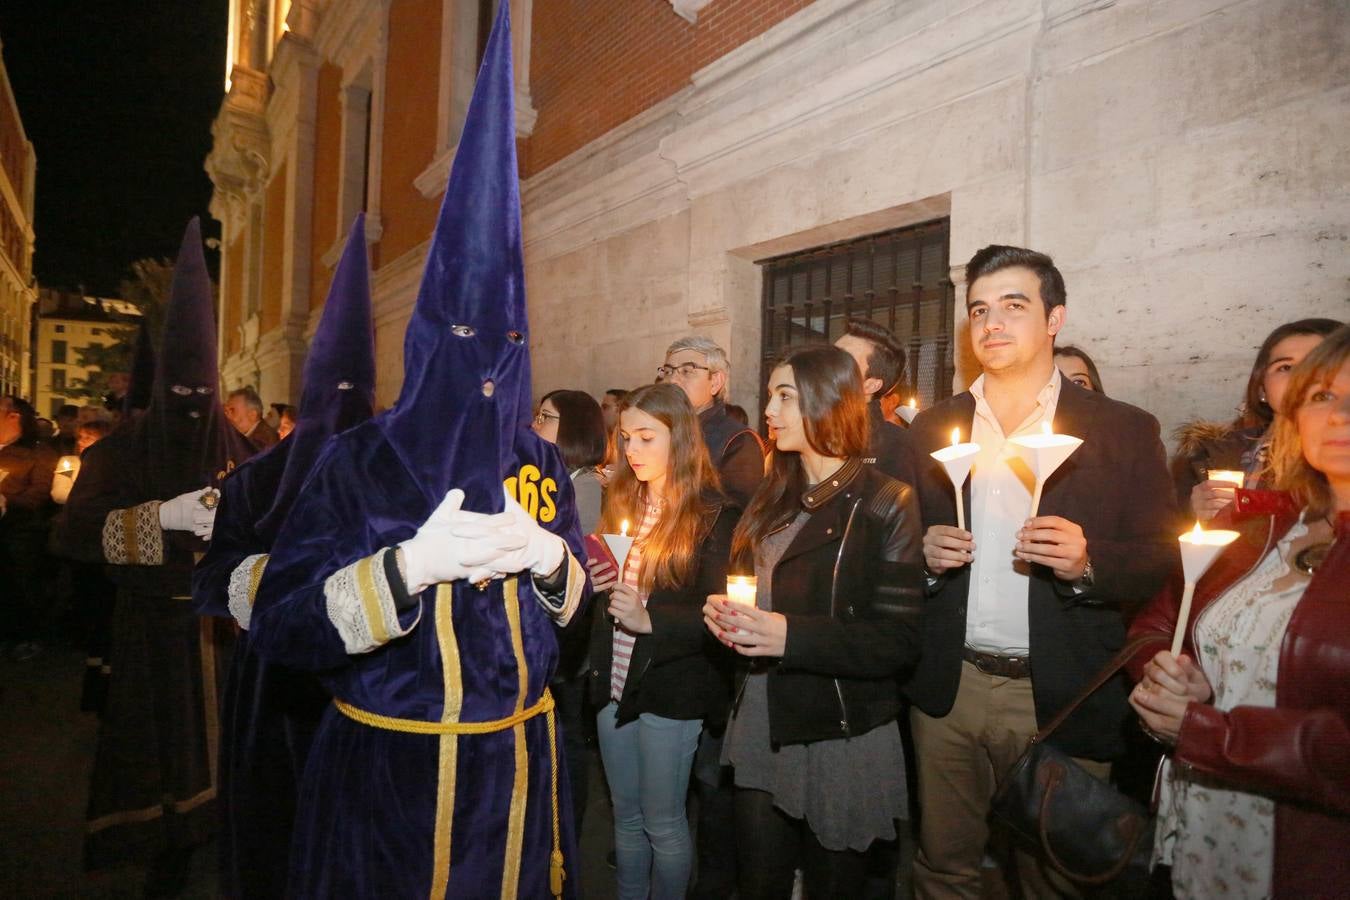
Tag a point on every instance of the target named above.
point(1117, 489)
point(850, 585)
point(886, 444)
point(672, 672)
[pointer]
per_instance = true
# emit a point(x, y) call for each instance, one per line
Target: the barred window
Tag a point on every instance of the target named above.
point(898, 279)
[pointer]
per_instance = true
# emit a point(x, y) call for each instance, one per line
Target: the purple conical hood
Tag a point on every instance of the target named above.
point(339, 375)
point(466, 388)
point(185, 438)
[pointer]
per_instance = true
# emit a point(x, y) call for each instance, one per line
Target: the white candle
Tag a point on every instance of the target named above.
point(1199, 549)
point(1044, 453)
point(956, 462)
point(619, 545)
point(741, 589)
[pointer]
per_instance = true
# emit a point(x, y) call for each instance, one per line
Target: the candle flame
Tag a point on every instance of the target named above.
point(1046, 429)
point(1196, 531)
point(913, 403)
point(623, 528)
point(956, 436)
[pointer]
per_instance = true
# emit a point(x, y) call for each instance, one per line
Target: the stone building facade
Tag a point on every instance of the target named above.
point(18, 291)
point(1187, 163)
point(67, 324)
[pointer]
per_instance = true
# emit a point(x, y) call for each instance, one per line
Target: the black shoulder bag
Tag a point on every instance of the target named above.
point(1088, 830)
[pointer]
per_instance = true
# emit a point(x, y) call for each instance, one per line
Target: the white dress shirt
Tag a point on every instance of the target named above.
point(1001, 486)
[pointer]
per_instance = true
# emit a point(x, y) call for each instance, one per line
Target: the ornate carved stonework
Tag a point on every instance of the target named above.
point(238, 163)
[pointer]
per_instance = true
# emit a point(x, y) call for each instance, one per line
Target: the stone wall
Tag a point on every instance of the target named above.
point(1186, 162)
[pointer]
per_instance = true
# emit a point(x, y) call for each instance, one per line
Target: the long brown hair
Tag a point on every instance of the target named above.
point(834, 419)
point(1288, 466)
point(691, 485)
point(1255, 410)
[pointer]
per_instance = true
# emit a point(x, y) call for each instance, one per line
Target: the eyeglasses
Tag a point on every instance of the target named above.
point(684, 370)
point(541, 417)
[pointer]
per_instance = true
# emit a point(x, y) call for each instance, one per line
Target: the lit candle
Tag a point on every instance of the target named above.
point(913, 403)
point(67, 468)
point(1235, 477)
point(619, 545)
point(741, 589)
point(1199, 549)
point(909, 410)
point(1044, 453)
point(957, 461)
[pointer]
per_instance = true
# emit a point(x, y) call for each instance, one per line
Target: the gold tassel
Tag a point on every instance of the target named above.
point(555, 873)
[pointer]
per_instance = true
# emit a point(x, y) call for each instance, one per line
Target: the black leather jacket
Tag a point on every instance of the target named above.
point(850, 584)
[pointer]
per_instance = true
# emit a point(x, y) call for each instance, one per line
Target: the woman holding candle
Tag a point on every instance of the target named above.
point(1240, 446)
point(836, 548)
point(652, 673)
point(1257, 801)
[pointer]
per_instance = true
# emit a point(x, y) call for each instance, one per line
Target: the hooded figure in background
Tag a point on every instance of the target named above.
point(435, 772)
point(94, 594)
point(270, 711)
point(144, 505)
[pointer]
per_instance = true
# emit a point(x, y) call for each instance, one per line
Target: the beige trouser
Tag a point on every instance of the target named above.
point(962, 757)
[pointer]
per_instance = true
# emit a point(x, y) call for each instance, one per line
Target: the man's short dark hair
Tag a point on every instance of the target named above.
point(997, 257)
point(887, 359)
point(68, 411)
point(251, 398)
point(616, 393)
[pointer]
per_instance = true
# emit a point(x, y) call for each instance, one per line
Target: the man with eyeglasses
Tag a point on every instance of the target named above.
point(701, 369)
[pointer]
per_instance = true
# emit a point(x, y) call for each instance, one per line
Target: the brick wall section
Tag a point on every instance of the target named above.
point(409, 126)
point(597, 63)
point(327, 157)
point(274, 249)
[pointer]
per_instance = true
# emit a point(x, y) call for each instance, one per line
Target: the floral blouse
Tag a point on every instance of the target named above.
point(1221, 842)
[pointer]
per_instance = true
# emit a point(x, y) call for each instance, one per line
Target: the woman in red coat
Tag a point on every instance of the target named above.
point(1256, 801)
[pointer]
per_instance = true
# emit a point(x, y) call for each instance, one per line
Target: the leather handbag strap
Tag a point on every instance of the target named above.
point(1108, 671)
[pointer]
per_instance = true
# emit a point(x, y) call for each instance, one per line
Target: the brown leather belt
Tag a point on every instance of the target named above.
point(999, 666)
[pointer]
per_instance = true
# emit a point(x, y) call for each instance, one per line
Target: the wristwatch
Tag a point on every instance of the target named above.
point(1088, 578)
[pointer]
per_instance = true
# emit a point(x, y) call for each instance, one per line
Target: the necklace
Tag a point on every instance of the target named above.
point(1310, 558)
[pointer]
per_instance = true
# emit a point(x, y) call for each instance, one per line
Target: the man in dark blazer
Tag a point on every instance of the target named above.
point(1021, 612)
point(881, 361)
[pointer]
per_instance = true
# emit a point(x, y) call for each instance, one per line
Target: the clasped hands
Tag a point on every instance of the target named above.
point(1170, 684)
point(455, 544)
point(1051, 541)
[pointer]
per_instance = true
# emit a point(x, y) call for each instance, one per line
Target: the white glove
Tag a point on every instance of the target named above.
point(454, 543)
point(541, 551)
point(186, 513)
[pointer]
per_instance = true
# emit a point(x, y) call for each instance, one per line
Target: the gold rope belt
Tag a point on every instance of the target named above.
point(421, 726)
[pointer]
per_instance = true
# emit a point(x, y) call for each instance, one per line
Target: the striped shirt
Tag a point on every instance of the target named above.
point(623, 640)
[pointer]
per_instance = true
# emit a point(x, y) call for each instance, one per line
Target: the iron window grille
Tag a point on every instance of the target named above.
point(897, 278)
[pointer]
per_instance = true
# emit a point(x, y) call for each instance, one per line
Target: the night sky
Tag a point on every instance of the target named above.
point(118, 100)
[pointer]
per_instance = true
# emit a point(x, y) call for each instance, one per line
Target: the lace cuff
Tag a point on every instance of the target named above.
point(132, 536)
point(243, 588)
point(361, 605)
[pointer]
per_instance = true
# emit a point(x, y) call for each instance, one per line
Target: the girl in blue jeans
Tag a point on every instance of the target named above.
point(652, 675)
